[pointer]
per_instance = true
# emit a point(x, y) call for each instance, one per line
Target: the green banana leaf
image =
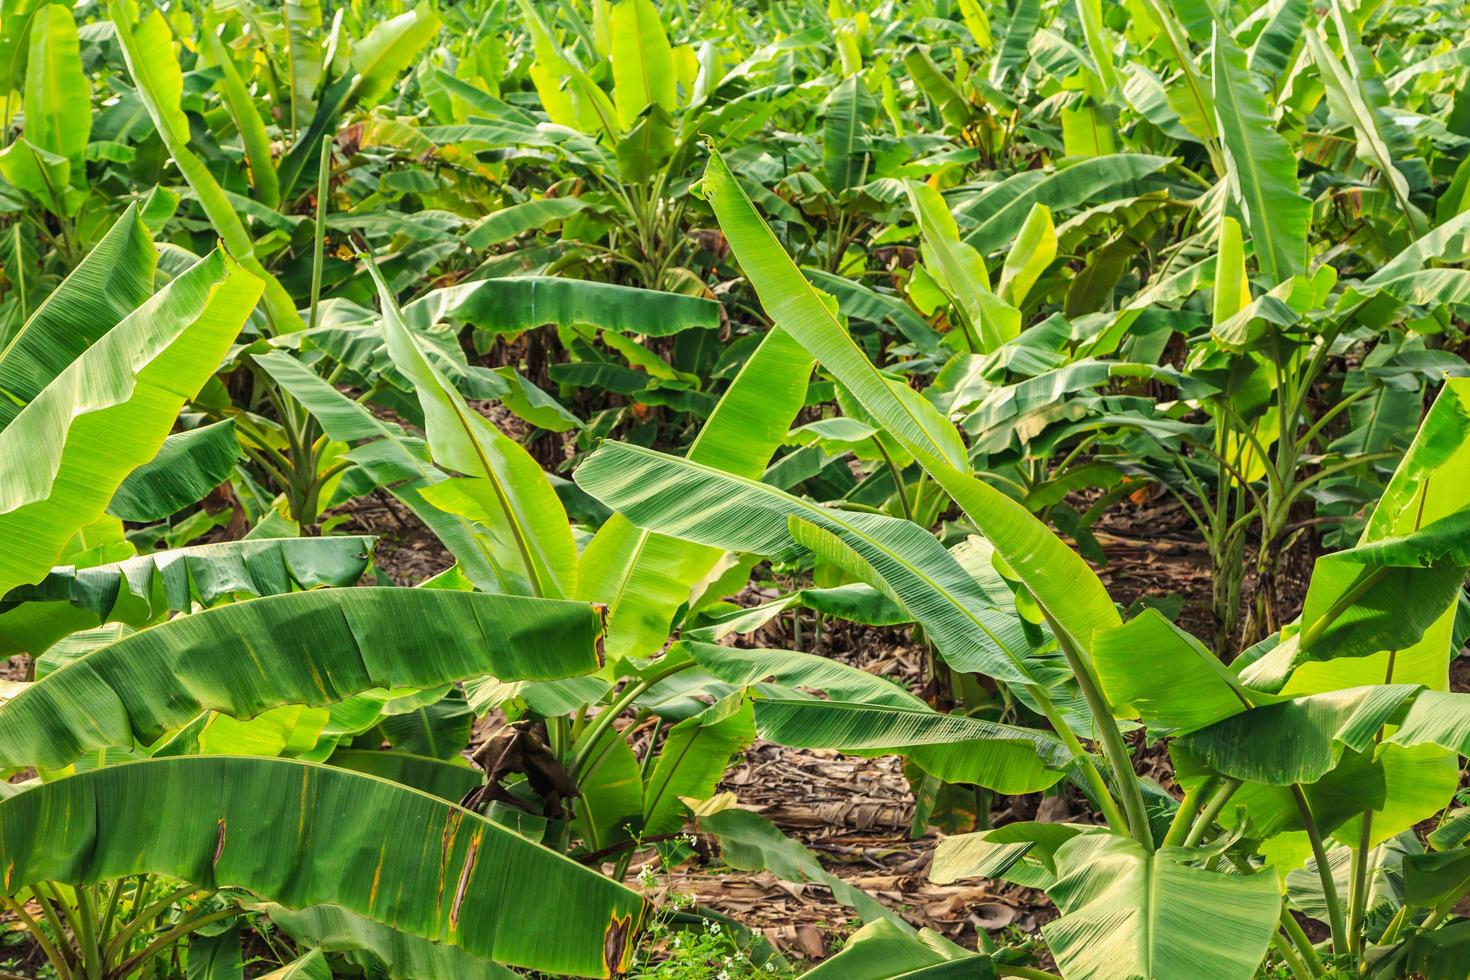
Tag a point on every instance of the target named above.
point(1302, 739)
point(1356, 613)
point(313, 648)
point(518, 303)
point(956, 748)
point(693, 760)
point(253, 134)
point(1350, 102)
point(188, 466)
point(1151, 669)
point(1058, 577)
point(114, 279)
point(57, 100)
point(960, 270)
point(511, 222)
point(448, 779)
point(882, 951)
point(1128, 911)
point(388, 460)
point(1000, 211)
point(136, 590)
point(645, 577)
point(420, 865)
point(1261, 167)
point(311, 965)
point(109, 411)
point(683, 499)
point(642, 61)
point(148, 51)
point(503, 488)
point(850, 109)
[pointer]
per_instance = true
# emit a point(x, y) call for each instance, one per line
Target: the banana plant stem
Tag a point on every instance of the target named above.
point(1112, 740)
point(1303, 942)
point(57, 961)
point(1324, 872)
point(324, 187)
point(1211, 811)
point(172, 936)
point(1358, 884)
point(1188, 807)
point(1289, 957)
point(1027, 972)
point(903, 497)
point(604, 720)
point(1105, 800)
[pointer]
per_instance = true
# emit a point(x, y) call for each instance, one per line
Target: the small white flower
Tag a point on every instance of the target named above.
point(678, 941)
point(714, 928)
point(724, 975)
point(771, 966)
point(727, 961)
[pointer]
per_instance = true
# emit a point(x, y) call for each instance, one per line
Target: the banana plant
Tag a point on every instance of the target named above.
point(1277, 753)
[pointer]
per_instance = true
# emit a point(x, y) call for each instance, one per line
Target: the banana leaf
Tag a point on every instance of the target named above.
point(115, 278)
point(313, 648)
point(109, 411)
point(1129, 911)
point(422, 866)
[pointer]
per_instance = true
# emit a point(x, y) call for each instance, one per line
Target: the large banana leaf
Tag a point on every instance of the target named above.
point(503, 488)
point(693, 759)
point(956, 748)
point(189, 465)
point(253, 134)
point(1000, 211)
point(114, 279)
point(518, 303)
point(1356, 613)
point(137, 589)
point(960, 270)
point(1261, 167)
point(403, 955)
point(1058, 577)
point(377, 59)
point(148, 51)
point(1151, 669)
point(294, 833)
point(58, 97)
point(1131, 912)
point(845, 141)
point(645, 577)
point(109, 411)
point(686, 500)
point(1349, 101)
point(793, 671)
point(642, 61)
point(313, 648)
point(302, 18)
point(1301, 740)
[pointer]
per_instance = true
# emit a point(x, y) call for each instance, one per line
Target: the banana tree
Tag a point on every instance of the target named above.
point(1364, 670)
